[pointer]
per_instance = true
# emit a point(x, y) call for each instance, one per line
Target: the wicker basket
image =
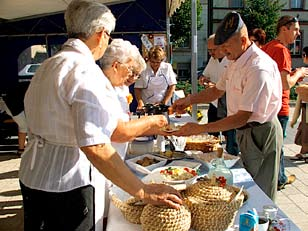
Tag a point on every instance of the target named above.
point(162, 218)
point(131, 209)
point(212, 207)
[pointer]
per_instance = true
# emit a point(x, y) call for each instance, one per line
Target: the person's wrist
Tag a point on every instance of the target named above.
point(141, 193)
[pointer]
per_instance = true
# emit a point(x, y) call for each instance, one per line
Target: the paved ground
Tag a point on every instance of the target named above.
point(293, 200)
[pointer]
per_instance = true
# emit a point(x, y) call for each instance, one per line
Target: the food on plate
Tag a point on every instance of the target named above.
point(172, 154)
point(176, 173)
point(204, 143)
point(167, 153)
point(147, 161)
point(171, 128)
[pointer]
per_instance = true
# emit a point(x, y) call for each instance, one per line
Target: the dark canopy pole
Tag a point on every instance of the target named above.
point(169, 58)
point(210, 21)
point(194, 54)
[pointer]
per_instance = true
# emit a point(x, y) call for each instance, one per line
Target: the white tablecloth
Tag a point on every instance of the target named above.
point(257, 199)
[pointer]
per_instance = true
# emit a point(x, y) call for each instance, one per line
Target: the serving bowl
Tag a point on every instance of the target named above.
point(146, 163)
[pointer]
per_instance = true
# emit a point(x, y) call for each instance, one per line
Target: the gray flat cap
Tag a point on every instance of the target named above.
point(231, 24)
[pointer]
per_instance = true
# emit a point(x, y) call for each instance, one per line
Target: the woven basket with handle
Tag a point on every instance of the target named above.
point(162, 218)
point(212, 206)
point(131, 209)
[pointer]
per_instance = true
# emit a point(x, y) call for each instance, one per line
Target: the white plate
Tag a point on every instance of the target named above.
point(230, 160)
point(171, 127)
point(192, 152)
point(145, 170)
point(143, 138)
point(157, 177)
point(185, 163)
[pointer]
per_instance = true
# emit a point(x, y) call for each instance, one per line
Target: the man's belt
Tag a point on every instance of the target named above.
point(251, 125)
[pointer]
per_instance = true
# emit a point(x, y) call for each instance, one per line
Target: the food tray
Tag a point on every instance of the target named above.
point(176, 155)
point(144, 169)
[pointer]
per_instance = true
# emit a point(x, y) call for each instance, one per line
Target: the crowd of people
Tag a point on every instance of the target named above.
point(78, 122)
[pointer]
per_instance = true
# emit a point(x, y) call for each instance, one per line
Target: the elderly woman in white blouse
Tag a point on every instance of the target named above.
point(69, 108)
point(121, 73)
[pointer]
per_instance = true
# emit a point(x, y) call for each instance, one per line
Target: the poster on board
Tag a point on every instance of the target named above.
point(150, 40)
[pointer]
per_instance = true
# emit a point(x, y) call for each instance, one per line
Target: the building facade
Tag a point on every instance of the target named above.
point(214, 11)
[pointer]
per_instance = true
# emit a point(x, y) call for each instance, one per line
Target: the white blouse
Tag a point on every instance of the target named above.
point(122, 93)
point(154, 86)
point(69, 104)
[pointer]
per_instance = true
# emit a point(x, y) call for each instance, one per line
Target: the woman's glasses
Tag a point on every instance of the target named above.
point(110, 38)
point(304, 55)
point(131, 71)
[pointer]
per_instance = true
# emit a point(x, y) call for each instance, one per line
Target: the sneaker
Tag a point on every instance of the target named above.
point(290, 180)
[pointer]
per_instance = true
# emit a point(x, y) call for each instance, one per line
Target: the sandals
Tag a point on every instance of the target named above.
point(300, 156)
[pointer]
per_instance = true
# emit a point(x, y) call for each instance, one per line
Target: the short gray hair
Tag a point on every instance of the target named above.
point(140, 64)
point(121, 51)
point(85, 17)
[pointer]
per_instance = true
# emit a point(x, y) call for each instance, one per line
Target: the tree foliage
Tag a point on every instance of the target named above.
point(262, 14)
point(181, 23)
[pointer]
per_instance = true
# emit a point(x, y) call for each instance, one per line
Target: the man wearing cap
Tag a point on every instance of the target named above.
point(218, 108)
point(253, 88)
point(287, 30)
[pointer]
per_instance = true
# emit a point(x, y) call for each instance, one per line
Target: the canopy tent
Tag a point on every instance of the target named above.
point(32, 22)
point(16, 34)
point(17, 9)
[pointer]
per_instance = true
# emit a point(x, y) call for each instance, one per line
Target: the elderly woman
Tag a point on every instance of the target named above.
point(120, 51)
point(69, 107)
point(157, 83)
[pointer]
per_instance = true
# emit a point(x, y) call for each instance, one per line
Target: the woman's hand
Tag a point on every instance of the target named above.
point(158, 121)
point(161, 194)
point(302, 91)
point(140, 104)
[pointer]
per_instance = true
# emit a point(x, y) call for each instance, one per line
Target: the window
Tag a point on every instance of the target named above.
point(296, 47)
point(185, 43)
point(183, 71)
point(296, 4)
point(236, 3)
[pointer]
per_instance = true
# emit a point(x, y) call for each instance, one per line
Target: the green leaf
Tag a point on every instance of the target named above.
point(181, 23)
